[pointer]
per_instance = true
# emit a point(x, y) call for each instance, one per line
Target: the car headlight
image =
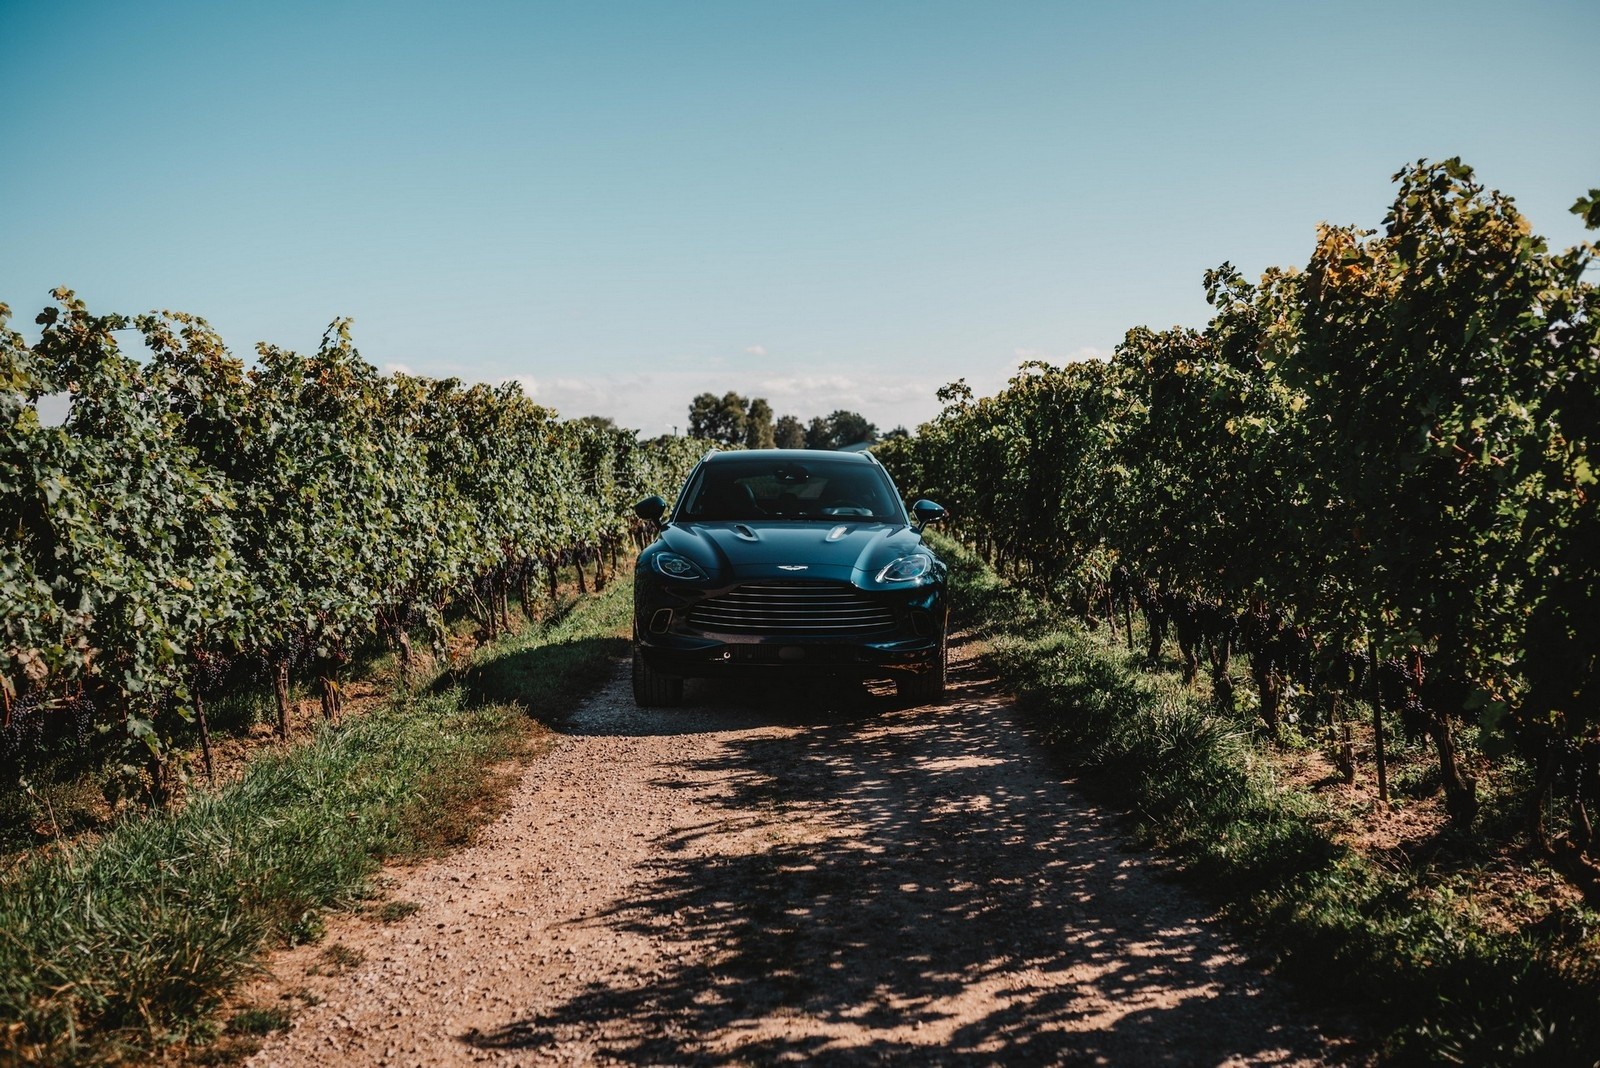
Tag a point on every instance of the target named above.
point(907, 568)
point(675, 566)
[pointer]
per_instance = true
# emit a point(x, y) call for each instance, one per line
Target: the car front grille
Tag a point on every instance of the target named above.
point(791, 608)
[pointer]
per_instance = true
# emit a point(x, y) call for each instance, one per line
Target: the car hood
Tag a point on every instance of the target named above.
point(793, 549)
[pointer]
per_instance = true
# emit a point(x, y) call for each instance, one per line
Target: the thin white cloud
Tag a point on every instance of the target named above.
point(804, 385)
point(657, 401)
point(756, 350)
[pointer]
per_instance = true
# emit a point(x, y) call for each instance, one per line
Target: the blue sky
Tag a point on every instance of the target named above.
point(832, 205)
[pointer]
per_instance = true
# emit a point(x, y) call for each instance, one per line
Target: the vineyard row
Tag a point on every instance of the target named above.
point(194, 517)
point(1374, 477)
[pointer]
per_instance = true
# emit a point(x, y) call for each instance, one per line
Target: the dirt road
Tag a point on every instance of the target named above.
point(784, 877)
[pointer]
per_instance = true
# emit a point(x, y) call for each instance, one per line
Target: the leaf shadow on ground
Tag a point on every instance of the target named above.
point(949, 909)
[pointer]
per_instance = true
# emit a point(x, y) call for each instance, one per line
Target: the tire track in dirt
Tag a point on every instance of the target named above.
point(777, 876)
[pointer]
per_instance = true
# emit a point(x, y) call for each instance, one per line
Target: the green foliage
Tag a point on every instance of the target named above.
point(1375, 475)
point(836, 431)
point(850, 428)
point(133, 940)
point(735, 421)
point(789, 433)
point(194, 515)
point(1442, 988)
point(720, 419)
point(759, 432)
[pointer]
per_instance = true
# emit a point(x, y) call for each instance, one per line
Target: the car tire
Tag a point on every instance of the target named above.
point(929, 686)
point(651, 689)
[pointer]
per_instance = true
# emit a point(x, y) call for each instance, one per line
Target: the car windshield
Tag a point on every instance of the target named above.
point(742, 489)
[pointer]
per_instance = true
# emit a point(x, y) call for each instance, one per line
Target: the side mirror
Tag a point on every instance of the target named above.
point(927, 512)
point(651, 509)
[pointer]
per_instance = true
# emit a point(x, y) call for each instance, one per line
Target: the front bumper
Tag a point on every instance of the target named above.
point(673, 644)
point(706, 657)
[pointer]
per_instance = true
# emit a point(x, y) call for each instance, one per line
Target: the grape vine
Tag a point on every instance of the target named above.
point(195, 514)
point(1374, 477)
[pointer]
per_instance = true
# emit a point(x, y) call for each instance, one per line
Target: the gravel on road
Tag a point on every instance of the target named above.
point(792, 874)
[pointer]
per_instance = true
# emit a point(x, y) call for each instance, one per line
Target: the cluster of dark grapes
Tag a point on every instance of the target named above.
point(76, 714)
point(35, 724)
point(21, 735)
point(211, 669)
point(1414, 718)
point(256, 666)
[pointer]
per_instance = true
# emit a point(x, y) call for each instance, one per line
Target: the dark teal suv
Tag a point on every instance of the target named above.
point(780, 560)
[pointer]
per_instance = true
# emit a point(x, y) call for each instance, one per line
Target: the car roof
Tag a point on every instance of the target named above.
point(790, 454)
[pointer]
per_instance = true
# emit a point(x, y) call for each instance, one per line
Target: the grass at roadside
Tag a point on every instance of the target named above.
point(1446, 988)
point(130, 942)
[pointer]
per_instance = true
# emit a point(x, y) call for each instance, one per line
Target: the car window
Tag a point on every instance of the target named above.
point(813, 489)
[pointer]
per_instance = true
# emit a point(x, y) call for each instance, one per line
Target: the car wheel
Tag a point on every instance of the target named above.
point(929, 686)
point(651, 689)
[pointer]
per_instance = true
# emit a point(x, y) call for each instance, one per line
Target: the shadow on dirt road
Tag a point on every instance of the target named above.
point(873, 883)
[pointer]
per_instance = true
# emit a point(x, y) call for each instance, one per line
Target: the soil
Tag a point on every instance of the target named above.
point(785, 875)
point(1501, 884)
